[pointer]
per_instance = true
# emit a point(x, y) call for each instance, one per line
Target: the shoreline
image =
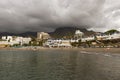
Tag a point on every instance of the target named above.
point(105, 50)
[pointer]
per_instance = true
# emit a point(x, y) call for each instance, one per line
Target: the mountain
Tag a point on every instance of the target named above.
point(69, 32)
point(6, 33)
point(61, 32)
point(26, 34)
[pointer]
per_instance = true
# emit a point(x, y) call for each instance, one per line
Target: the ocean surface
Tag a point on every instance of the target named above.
point(58, 65)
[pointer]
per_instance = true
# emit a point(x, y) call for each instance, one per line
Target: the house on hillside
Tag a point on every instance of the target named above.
point(78, 34)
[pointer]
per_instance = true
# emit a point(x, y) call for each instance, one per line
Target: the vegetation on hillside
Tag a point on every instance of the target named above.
point(112, 31)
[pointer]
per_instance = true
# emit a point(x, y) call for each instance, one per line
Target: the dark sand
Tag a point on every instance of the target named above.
point(105, 50)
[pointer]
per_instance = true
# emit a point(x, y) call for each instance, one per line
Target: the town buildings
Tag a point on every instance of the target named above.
point(59, 43)
point(79, 36)
point(12, 40)
point(44, 39)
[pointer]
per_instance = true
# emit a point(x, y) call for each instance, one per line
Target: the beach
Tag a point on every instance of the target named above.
point(105, 50)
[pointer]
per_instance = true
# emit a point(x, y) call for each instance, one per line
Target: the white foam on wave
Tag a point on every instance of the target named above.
point(101, 53)
point(85, 52)
point(107, 55)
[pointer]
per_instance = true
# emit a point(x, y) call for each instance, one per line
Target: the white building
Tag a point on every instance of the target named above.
point(11, 40)
point(59, 43)
point(7, 38)
point(102, 37)
point(87, 39)
point(114, 36)
point(108, 37)
point(42, 36)
point(23, 40)
point(78, 34)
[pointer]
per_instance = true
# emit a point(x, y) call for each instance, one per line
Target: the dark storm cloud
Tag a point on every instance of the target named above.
point(46, 15)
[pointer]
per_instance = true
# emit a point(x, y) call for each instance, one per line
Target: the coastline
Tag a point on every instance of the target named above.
point(105, 50)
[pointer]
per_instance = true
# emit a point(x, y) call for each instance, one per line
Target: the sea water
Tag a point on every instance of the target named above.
point(58, 65)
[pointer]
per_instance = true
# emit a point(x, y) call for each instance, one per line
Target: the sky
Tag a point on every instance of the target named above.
point(47, 15)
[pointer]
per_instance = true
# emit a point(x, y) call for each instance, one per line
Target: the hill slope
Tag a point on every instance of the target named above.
point(69, 32)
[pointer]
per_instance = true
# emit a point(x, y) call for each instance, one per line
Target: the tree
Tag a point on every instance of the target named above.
point(76, 44)
point(112, 31)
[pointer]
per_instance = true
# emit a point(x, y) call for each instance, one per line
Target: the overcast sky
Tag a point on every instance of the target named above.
point(46, 15)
